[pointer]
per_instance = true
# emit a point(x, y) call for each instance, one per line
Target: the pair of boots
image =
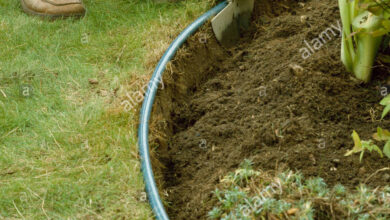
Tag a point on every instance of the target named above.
point(54, 8)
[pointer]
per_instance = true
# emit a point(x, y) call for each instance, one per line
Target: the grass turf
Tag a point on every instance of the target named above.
point(67, 146)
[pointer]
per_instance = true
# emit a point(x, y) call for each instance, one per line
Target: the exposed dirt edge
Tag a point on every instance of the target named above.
point(190, 67)
point(194, 63)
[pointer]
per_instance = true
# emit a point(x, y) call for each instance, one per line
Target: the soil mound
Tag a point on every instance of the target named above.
point(281, 98)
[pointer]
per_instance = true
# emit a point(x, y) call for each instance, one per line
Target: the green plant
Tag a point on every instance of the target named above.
point(243, 174)
point(385, 102)
point(365, 22)
point(339, 190)
point(298, 198)
point(383, 135)
point(362, 146)
point(215, 213)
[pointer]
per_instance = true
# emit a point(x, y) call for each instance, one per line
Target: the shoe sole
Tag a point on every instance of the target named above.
point(43, 15)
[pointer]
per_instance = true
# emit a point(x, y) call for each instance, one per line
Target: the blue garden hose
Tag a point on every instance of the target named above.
point(143, 130)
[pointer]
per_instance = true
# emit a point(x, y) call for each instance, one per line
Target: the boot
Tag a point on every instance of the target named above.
point(54, 8)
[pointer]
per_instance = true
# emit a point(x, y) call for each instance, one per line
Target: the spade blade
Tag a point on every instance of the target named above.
point(229, 23)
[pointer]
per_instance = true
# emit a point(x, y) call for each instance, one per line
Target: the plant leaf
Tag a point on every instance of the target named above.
point(368, 145)
point(386, 134)
point(378, 135)
point(386, 149)
point(381, 134)
point(357, 144)
point(377, 149)
point(379, 32)
point(386, 24)
point(356, 140)
point(385, 100)
point(385, 111)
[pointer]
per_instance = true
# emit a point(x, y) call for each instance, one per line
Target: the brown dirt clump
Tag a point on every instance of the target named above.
point(261, 100)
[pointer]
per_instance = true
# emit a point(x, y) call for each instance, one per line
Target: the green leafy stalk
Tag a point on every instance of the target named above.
point(365, 22)
point(367, 44)
point(347, 49)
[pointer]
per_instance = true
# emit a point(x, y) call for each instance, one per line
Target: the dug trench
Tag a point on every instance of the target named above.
point(266, 99)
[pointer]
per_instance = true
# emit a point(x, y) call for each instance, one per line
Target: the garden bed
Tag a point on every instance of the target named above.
point(281, 98)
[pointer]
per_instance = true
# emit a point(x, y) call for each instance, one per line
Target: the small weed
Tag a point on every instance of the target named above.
point(297, 198)
point(241, 175)
point(362, 146)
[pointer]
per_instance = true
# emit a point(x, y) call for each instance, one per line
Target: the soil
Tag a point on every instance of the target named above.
point(262, 101)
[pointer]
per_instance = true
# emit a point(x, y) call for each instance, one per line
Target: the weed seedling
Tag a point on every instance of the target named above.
point(362, 146)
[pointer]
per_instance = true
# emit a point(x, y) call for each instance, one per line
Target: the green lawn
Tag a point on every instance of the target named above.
point(67, 146)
